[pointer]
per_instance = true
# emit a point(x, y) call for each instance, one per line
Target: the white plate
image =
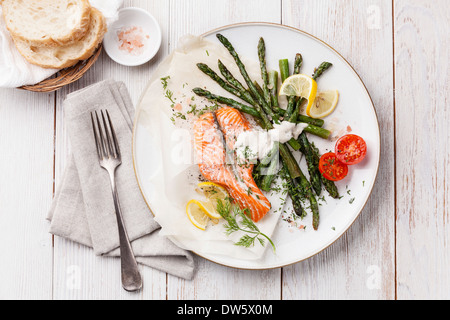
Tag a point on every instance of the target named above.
point(355, 109)
point(133, 17)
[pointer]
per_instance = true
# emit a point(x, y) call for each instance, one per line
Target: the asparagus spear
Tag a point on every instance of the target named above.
point(298, 63)
point(230, 102)
point(321, 69)
point(270, 174)
point(257, 175)
point(294, 192)
point(303, 185)
point(314, 206)
point(313, 169)
point(295, 114)
point(317, 131)
point(264, 74)
point(258, 87)
point(309, 120)
point(213, 75)
point(233, 81)
point(292, 101)
point(267, 109)
point(284, 69)
point(273, 87)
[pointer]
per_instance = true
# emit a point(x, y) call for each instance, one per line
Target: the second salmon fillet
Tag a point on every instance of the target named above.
point(212, 159)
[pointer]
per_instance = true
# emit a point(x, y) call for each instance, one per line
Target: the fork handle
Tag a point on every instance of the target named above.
point(131, 278)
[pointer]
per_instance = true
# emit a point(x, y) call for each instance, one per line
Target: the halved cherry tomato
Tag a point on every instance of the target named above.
point(351, 149)
point(331, 168)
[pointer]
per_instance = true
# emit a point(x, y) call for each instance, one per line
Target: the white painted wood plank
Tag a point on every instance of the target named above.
point(78, 273)
point(26, 166)
point(213, 281)
point(199, 16)
point(423, 148)
point(360, 265)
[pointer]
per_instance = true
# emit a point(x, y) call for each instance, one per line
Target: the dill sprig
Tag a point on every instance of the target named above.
point(232, 213)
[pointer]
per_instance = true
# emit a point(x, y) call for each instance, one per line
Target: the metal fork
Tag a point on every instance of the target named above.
point(110, 158)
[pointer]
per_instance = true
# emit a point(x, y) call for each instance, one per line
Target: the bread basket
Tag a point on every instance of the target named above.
point(65, 76)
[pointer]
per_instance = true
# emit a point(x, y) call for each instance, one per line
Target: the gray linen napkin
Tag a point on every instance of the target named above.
point(83, 208)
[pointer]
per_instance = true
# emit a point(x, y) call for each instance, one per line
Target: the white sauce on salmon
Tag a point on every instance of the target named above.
point(256, 144)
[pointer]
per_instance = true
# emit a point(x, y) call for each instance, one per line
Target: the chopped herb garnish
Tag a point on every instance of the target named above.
point(164, 82)
point(180, 115)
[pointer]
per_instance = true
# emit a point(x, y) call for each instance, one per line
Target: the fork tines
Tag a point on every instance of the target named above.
point(105, 136)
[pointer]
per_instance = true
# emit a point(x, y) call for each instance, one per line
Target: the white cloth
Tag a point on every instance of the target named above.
point(109, 8)
point(16, 71)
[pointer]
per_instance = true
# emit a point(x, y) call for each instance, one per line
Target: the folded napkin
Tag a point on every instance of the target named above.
point(16, 71)
point(83, 207)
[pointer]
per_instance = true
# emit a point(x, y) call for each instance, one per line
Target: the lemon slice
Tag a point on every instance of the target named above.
point(197, 214)
point(210, 210)
point(300, 85)
point(213, 193)
point(324, 104)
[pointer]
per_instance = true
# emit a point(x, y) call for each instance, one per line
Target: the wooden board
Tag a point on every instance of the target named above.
point(397, 249)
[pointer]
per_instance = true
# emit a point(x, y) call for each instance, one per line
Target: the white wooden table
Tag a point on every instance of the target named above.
point(399, 248)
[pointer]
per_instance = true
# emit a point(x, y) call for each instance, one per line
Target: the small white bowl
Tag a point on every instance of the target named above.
point(133, 17)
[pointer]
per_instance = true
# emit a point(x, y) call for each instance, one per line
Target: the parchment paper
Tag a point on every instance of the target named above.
point(175, 171)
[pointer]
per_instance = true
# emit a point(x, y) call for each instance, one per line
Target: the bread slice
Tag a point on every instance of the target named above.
point(68, 55)
point(47, 22)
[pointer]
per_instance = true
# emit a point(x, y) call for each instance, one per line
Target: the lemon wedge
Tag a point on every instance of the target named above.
point(197, 214)
point(300, 85)
point(324, 104)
